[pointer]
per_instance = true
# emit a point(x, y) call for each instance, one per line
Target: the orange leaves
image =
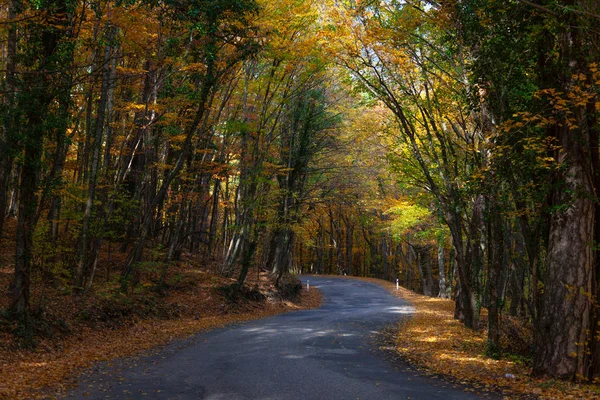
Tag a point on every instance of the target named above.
point(130, 71)
point(194, 67)
point(565, 104)
point(290, 28)
point(433, 340)
point(50, 370)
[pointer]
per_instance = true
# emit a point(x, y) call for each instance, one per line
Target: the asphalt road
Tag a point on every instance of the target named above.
point(326, 354)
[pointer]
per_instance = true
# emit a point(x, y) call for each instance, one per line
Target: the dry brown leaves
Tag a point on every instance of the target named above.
point(434, 341)
point(34, 374)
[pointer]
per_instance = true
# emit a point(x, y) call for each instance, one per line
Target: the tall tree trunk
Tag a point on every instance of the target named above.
point(595, 323)
point(7, 133)
point(214, 216)
point(320, 246)
point(564, 319)
point(26, 217)
point(349, 250)
point(443, 293)
point(147, 221)
point(496, 255)
point(466, 309)
point(40, 92)
point(562, 336)
point(84, 240)
point(424, 267)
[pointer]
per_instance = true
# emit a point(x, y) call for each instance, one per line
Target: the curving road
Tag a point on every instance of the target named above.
point(325, 354)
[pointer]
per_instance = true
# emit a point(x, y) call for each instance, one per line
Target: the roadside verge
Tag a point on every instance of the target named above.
point(52, 367)
point(435, 343)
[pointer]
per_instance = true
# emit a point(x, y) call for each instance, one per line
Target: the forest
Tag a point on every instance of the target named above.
point(452, 145)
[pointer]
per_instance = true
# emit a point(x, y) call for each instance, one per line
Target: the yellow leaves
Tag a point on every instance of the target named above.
point(290, 27)
point(546, 162)
point(178, 138)
point(434, 341)
point(565, 104)
point(477, 176)
point(271, 168)
point(25, 372)
point(194, 67)
point(130, 71)
point(408, 217)
point(134, 107)
point(541, 287)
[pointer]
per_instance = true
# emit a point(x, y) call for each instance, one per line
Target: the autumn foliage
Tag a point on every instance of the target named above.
point(451, 145)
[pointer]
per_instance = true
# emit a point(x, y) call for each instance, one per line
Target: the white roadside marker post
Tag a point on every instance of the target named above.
point(308, 286)
point(397, 285)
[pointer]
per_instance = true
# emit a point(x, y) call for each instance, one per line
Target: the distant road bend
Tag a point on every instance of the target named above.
point(324, 354)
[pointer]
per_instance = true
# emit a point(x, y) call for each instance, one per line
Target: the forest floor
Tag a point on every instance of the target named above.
point(70, 332)
point(434, 342)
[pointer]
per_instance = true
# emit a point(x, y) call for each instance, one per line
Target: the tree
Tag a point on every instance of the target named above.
point(48, 49)
point(409, 77)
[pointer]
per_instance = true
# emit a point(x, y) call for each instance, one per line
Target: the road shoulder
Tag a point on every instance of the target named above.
point(49, 371)
point(433, 342)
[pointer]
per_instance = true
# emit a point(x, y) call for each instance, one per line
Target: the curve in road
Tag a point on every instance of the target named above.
point(326, 353)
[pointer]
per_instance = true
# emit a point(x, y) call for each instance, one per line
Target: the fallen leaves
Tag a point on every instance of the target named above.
point(50, 370)
point(433, 340)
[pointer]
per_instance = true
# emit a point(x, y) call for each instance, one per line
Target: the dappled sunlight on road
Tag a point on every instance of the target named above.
point(433, 339)
point(407, 310)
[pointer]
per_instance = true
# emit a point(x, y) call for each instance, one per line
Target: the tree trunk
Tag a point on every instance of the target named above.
point(564, 319)
point(320, 245)
point(349, 250)
point(214, 215)
point(466, 308)
point(84, 242)
point(424, 267)
point(40, 93)
point(26, 218)
point(443, 293)
point(8, 126)
point(563, 332)
point(496, 255)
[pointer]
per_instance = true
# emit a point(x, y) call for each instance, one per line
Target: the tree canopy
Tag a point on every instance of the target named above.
point(452, 145)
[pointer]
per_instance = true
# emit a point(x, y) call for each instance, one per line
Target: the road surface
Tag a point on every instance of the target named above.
point(325, 354)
